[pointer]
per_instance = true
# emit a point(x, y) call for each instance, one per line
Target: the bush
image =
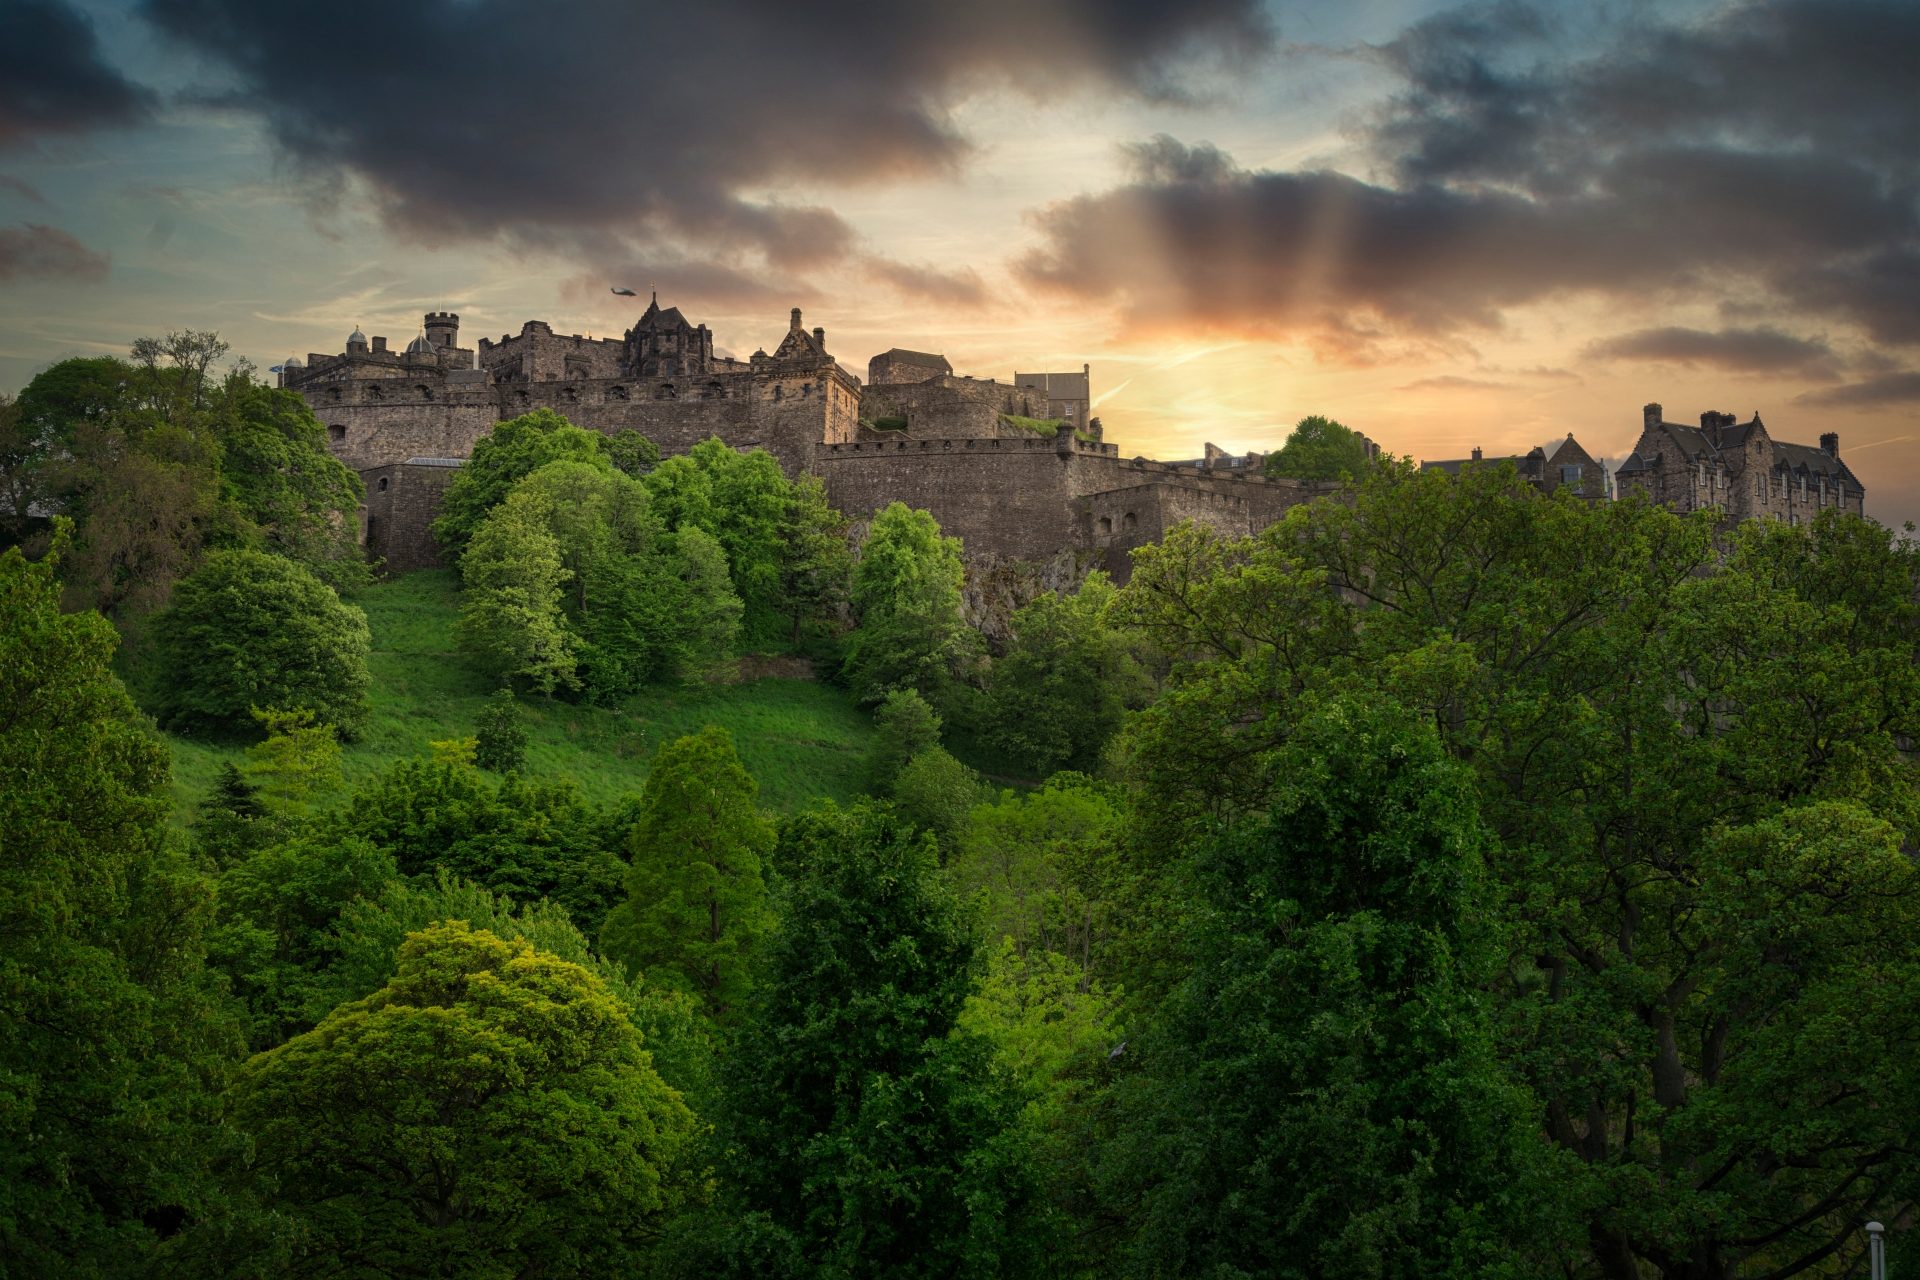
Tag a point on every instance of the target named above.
point(501, 743)
point(255, 630)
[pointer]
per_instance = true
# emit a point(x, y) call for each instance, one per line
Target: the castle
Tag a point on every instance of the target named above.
point(1018, 470)
point(1739, 468)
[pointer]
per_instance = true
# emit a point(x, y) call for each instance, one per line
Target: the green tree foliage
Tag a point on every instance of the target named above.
point(295, 499)
point(112, 1041)
point(488, 1112)
point(903, 727)
point(1049, 868)
point(526, 837)
point(630, 453)
point(1066, 682)
point(853, 1083)
point(501, 742)
point(696, 908)
point(816, 561)
point(1624, 692)
point(232, 820)
point(511, 622)
point(1322, 1094)
point(298, 763)
point(1320, 449)
point(254, 630)
point(936, 793)
point(906, 596)
point(514, 449)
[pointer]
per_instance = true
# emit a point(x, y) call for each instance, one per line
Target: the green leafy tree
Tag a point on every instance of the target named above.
point(488, 1112)
point(816, 561)
point(113, 1041)
point(1320, 449)
point(511, 624)
point(630, 453)
point(232, 820)
point(279, 478)
point(937, 793)
point(501, 743)
point(744, 502)
point(1322, 1095)
point(854, 1081)
point(1624, 691)
point(512, 450)
point(906, 595)
point(254, 630)
point(903, 727)
point(525, 837)
point(298, 762)
point(1066, 682)
point(696, 908)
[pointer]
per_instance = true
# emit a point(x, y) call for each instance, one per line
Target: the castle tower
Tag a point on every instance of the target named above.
point(443, 329)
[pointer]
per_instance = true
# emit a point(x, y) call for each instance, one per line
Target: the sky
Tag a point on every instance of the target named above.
point(1447, 226)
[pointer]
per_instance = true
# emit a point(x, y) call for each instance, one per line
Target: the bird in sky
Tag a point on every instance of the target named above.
point(623, 293)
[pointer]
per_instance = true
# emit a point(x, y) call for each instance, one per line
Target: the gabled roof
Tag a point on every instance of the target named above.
point(657, 320)
point(1797, 458)
point(1058, 386)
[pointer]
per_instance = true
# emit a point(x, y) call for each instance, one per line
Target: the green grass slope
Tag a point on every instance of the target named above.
point(799, 738)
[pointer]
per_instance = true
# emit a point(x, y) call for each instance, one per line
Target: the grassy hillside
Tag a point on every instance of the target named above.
point(799, 738)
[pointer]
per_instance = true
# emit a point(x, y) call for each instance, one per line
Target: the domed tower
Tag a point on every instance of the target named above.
point(357, 342)
point(443, 329)
point(422, 351)
point(293, 367)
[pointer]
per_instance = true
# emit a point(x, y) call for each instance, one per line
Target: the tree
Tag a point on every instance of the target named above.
point(277, 475)
point(936, 793)
point(744, 502)
point(511, 623)
point(1066, 682)
point(1625, 691)
point(113, 1040)
point(1320, 449)
point(253, 630)
point(696, 907)
point(630, 453)
point(501, 743)
point(513, 449)
point(906, 596)
point(903, 727)
point(298, 762)
point(816, 564)
point(490, 1110)
point(853, 1082)
point(1322, 1095)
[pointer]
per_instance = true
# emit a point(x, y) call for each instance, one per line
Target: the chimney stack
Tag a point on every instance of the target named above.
point(1830, 443)
point(1476, 453)
point(794, 327)
point(379, 344)
point(819, 337)
point(1652, 416)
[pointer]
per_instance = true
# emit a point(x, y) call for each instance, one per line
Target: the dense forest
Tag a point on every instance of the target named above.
point(1447, 881)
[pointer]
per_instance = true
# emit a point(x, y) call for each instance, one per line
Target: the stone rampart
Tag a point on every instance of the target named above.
point(402, 500)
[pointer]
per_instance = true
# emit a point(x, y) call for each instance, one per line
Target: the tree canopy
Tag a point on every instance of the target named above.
point(1319, 448)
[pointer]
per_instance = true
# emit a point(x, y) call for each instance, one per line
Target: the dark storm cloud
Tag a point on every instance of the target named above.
point(1763, 151)
point(475, 117)
point(1734, 350)
point(35, 250)
point(1888, 389)
point(52, 77)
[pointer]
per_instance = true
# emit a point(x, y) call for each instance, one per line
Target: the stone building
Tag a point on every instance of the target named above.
point(1069, 396)
point(1737, 468)
point(1568, 466)
point(963, 448)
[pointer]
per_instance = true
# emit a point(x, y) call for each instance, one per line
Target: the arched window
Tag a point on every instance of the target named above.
point(1127, 522)
point(1106, 524)
point(383, 484)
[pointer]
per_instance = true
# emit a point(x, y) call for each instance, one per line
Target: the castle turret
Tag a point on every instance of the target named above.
point(443, 329)
point(356, 342)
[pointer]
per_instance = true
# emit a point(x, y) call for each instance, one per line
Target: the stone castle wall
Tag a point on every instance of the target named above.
point(402, 500)
point(951, 408)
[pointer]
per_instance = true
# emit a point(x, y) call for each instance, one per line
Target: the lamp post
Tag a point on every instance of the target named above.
point(1877, 1250)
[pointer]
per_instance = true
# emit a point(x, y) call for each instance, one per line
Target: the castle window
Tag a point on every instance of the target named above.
point(618, 393)
point(778, 391)
point(336, 433)
point(1106, 524)
point(664, 391)
point(376, 393)
point(383, 484)
point(426, 393)
point(1570, 473)
point(1127, 521)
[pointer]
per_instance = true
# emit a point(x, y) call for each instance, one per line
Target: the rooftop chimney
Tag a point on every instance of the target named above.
point(820, 337)
point(1476, 453)
point(1653, 416)
point(1830, 443)
point(379, 344)
point(796, 320)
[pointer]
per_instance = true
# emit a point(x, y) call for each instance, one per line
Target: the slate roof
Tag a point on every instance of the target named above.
point(1696, 444)
point(1058, 386)
point(436, 462)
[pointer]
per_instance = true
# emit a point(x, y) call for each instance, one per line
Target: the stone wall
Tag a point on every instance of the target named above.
point(1006, 498)
point(395, 524)
point(950, 408)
